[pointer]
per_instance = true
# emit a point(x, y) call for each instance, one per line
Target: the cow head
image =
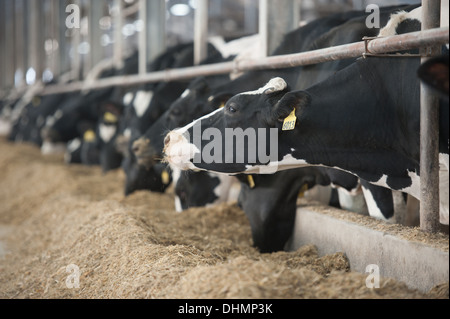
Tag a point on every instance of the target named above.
point(194, 102)
point(245, 136)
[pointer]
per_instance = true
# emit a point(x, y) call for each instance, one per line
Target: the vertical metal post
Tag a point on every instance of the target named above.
point(251, 16)
point(55, 22)
point(19, 48)
point(95, 34)
point(201, 31)
point(63, 47)
point(9, 41)
point(156, 28)
point(36, 41)
point(275, 21)
point(118, 38)
point(264, 27)
point(3, 50)
point(153, 16)
point(75, 64)
point(429, 133)
point(143, 37)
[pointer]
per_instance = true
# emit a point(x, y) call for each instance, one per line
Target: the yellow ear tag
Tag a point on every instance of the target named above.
point(89, 136)
point(165, 177)
point(289, 122)
point(221, 105)
point(109, 117)
point(302, 191)
point(251, 182)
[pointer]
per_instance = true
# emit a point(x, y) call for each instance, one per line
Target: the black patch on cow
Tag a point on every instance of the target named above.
point(408, 25)
point(196, 189)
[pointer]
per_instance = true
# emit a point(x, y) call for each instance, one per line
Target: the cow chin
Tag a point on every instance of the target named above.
point(179, 152)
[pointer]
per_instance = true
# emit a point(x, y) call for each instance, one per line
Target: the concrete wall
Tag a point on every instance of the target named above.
point(418, 265)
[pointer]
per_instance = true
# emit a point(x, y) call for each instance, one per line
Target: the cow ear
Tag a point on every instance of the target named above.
point(219, 101)
point(200, 84)
point(293, 100)
point(435, 74)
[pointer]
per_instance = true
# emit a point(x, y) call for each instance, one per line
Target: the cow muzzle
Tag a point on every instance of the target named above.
point(144, 153)
point(178, 151)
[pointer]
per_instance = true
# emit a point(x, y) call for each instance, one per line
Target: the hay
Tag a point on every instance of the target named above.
point(53, 215)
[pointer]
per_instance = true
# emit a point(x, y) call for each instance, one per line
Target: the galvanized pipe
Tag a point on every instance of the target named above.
point(429, 132)
point(379, 45)
point(201, 31)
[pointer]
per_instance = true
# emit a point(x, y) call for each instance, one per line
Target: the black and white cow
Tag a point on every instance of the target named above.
point(349, 31)
point(363, 120)
point(165, 95)
point(203, 96)
point(338, 125)
point(28, 126)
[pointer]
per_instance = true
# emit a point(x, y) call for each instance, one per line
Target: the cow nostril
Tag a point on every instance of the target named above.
point(167, 140)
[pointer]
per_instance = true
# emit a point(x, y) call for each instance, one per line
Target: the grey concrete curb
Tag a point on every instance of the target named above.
point(417, 265)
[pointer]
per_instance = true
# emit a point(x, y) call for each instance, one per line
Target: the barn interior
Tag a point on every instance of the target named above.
point(73, 231)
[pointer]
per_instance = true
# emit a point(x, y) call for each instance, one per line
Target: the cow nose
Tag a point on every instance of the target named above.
point(167, 140)
point(135, 147)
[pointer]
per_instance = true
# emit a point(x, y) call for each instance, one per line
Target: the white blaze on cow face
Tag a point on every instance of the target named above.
point(128, 98)
point(274, 85)
point(185, 93)
point(142, 102)
point(106, 132)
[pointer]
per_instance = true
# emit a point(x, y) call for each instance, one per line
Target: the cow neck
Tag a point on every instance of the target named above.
point(351, 127)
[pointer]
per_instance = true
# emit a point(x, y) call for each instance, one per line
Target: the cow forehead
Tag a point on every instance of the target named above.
point(275, 85)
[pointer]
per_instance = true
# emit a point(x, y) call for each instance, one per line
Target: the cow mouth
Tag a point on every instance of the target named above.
point(144, 153)
point(179, 152)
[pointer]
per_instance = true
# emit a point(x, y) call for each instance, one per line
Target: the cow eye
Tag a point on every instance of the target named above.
point(176, 112)
point(232, 108)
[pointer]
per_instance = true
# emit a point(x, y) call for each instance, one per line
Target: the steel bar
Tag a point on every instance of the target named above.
point(118, 37)
point(429, 132)
point(382, 45)
point(142, 68)
point(95, 33)
point(277, 20)
point(155, 28)
point(201, 31)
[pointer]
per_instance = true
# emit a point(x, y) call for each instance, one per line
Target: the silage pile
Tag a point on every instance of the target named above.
point(53, 216)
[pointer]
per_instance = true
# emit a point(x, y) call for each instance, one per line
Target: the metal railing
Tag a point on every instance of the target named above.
point(407, 41)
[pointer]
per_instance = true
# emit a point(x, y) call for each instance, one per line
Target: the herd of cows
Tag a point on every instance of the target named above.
point(354, 127)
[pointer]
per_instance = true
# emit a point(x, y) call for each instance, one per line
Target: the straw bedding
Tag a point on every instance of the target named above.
point(53, 215)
